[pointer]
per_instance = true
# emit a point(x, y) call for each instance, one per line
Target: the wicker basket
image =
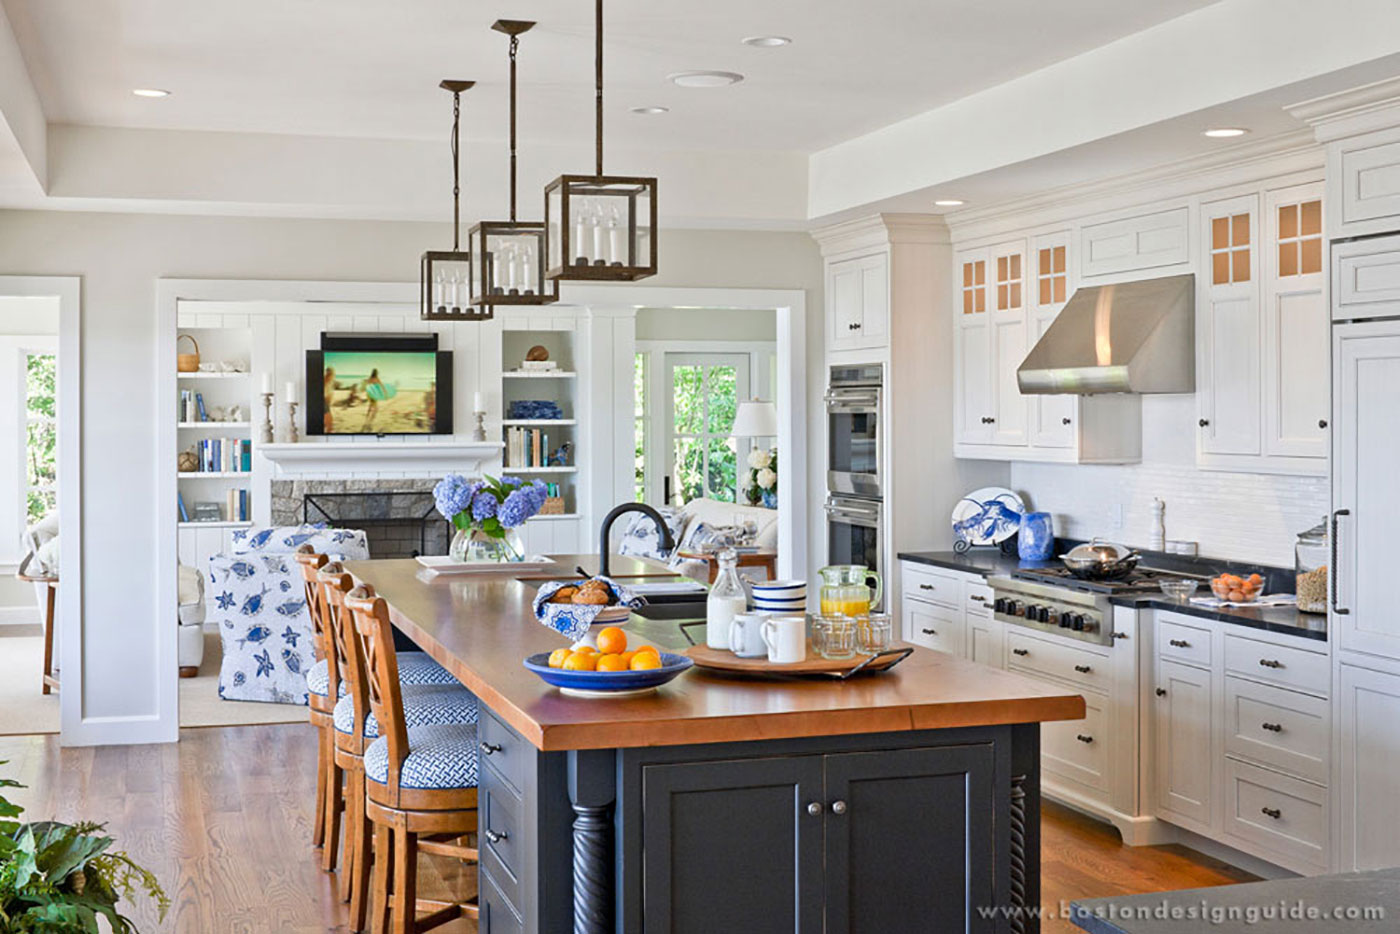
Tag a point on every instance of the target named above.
point(187, 362)
point(553, 506)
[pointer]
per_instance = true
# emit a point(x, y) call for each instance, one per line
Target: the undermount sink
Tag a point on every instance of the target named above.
point(685, 593)
point(671, 610)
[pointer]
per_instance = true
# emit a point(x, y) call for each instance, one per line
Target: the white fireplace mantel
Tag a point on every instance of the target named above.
point(341, 457)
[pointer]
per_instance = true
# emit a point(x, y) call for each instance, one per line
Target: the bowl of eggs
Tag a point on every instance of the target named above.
point(1233, 588)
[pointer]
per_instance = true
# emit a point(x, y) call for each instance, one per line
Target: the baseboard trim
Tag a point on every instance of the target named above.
point(19, 616)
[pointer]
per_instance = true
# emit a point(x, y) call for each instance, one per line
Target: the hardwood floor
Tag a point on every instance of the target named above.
point(223, 819)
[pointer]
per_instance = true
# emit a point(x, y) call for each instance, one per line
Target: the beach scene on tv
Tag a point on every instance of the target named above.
point(379, 392)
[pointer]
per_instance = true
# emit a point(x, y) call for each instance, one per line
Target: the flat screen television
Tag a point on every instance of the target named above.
point(378, 384)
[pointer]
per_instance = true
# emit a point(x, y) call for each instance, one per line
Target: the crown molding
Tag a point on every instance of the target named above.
point(1356, 110)
point(879, 230)
point(1280, 154)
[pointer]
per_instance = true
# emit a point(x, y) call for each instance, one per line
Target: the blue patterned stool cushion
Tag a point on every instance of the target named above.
point(422, 704)
point(440, 755)
point(318, 680)
point(419, 668)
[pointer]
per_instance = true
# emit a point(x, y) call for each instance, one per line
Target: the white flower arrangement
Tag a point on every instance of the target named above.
point(762, 487)
point(759, 459)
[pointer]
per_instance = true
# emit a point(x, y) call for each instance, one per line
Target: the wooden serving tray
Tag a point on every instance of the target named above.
point(814, 664)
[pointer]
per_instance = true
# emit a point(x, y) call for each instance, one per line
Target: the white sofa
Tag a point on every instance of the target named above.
point(692, 525)
point(191, 616)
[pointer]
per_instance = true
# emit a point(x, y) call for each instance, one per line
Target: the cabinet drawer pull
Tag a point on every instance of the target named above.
point(814, 808)
point(1270, 663)
point(929, 632)
point(1334, 571)
point(1083, 669)
point(927, 587)
point(489, 748)
point(1161, 692)
point(1275, 813)
point(495, 836)
point(1179, 643)
point(1120, 635)
point(1084, 739)
point(1273, 727)
point(838, 807)
point(978, 598)
point(1020, 651)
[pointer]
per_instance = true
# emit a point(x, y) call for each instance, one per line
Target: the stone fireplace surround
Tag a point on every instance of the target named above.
point(396, 514)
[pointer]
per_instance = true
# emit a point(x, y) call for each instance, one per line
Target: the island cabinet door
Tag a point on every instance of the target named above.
point(910, 840)
point(734, 845)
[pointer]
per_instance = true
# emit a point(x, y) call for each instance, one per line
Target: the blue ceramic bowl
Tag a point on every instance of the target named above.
point(607, 681)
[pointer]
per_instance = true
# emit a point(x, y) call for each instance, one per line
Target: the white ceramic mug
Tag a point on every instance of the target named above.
point(786, 638)
point(746, 635)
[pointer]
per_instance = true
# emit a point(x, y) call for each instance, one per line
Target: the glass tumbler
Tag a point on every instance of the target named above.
point(838, 640)
point(874, 633)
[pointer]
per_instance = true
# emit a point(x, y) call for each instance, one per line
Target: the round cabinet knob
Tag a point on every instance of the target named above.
point(1064, 421)
point(855, 326)
point(489, 748)
point(1322, 423)
point(838, 807)
point(814, 809)
point(495, 836)
point(1161, 692)
point(991, 421)
point(1203, 422)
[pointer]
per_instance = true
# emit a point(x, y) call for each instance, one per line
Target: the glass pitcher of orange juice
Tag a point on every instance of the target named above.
point(846, 590)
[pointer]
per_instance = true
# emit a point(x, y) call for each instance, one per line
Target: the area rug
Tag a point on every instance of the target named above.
point(24, 710)
point(200, 704)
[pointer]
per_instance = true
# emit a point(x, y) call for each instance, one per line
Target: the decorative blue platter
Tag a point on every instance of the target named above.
point(608, 683)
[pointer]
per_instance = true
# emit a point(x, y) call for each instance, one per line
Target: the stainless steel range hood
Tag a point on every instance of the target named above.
point(1137, 337)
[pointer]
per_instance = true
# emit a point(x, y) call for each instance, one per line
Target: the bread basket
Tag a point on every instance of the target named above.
point(187, 362)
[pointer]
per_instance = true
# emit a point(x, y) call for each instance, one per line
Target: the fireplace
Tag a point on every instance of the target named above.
point(399, 517)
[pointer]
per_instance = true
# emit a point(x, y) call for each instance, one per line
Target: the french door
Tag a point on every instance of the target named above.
point(702, 391)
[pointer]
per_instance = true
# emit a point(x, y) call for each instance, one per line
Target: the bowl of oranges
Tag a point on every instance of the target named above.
point(610, 670)
point(1232, 588)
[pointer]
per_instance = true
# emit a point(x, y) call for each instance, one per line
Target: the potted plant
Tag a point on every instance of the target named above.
point(61, 878)
point(487, 515)
point(762, 487)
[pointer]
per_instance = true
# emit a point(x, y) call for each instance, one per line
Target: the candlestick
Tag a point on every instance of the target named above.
point(266, 436)
point(292, 436)
point(480, 433)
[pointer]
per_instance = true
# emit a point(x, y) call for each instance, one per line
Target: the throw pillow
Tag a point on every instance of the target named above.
point(642, 539)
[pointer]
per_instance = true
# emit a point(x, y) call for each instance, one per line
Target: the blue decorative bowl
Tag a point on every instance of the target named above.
point(608, 683)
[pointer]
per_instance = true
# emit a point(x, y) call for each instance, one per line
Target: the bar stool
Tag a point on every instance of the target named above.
point(420, 782)
point(356, 726)
point(319, 678)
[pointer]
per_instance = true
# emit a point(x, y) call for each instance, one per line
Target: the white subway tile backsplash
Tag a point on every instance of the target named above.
point(1244, 517)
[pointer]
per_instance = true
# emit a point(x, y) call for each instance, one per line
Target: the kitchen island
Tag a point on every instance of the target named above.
point(903, 802)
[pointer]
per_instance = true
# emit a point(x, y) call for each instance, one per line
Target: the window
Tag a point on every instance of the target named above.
point(1229, 249)
point(642, 425)
point(704, 392)
point(1050, 274)
point(1300, 238)
point(974, 287)
point(41, 435)
point(1009, 282)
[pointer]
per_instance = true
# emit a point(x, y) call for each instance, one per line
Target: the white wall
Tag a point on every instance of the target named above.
point(121, 256)
point(1247, 517)
point(706, 324)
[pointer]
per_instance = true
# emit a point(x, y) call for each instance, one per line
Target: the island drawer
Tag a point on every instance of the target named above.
point(1284, 665)
point(934, 627)
point(498, 915)
point(1283, 815)
point(503, 750)
point(1070, 663)
point(500, 834)
point(924, 583)
point(1277, 727)
point(1182, 641)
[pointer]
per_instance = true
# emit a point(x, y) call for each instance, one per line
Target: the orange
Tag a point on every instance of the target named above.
point(586, 649)
point(612, 641)
point(627, 657)
point(649, 648)
point(611, 662)
point(581, 661)
point(645, 661)
point(556, 658)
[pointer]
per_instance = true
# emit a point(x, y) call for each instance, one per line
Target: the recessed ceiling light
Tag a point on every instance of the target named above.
point(767, 42)
point(651, 110)
point(1224, 132)
point(150, 92)
point(949, 203)
point(705, 79)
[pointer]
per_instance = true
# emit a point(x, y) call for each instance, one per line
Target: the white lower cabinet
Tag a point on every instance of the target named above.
point(934, 627)
point(1078, 750)
point(1367, 773)
point(1182, 722)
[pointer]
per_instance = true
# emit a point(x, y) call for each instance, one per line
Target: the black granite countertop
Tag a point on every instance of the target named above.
point(1347, 903)
point(1285, 620)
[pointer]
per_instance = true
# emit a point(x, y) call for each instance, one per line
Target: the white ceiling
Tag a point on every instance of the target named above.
point(369, 68)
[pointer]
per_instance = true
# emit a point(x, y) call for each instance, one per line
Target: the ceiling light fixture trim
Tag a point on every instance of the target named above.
point(150, 92)
point(767, 42)
point(705, 79)
point(1224, 132)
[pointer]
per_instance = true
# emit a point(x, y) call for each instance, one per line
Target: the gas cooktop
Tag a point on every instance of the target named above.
point(1141, 580)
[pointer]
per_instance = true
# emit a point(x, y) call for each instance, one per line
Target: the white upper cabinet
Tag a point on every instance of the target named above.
point(1142, 241)
point(972, 350)
point(1366, 279)
point(1363, 184)
point(858, 302)
point(1229, 332)
point(1052, 417)
point(1011, 410)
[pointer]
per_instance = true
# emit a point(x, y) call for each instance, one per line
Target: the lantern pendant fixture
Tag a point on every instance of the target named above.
point(600, 227)
point(508, 256)
point(445, 275)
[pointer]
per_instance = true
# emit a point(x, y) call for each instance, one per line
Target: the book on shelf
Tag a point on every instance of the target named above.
point(236, 506)
point(225, 455)
point(184, 513)
point(526, 447)
point(199, 404)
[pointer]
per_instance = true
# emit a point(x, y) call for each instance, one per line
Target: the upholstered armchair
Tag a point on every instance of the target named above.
point(255, 595)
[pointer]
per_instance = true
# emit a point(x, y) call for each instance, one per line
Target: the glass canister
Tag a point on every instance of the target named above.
point(1312, 556)
point(727, 599)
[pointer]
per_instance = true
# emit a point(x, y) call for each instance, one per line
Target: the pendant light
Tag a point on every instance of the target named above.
point(508, 255)
point(600, 227)
point(445, 275)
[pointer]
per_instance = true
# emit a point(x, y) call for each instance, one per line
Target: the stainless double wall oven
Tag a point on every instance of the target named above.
point(854, 469)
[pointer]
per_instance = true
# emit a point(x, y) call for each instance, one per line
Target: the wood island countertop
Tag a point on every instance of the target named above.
point(481, 626)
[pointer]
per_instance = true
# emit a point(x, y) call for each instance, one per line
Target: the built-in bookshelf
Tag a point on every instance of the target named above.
point(214, 422)
point(543, 448)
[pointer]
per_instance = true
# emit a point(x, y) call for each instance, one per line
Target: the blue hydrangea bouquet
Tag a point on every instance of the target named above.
point(488, 514)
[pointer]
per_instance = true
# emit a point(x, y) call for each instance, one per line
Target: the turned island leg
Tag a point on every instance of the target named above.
point(592, 792)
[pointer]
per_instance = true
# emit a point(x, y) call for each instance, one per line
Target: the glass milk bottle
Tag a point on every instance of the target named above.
point(727, 599)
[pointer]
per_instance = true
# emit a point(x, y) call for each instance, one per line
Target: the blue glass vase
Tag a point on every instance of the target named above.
point(1035, 541)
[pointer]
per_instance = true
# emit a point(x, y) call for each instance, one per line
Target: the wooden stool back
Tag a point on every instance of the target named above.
point(347, 658)
point(381, 668)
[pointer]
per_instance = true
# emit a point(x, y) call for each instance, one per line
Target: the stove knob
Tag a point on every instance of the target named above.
point(1066, 620)
point(1000, 605)
point(1014, 608)
point(1044, 614)
point(1078, 624)
point(1031, 610)
point(1090, 625)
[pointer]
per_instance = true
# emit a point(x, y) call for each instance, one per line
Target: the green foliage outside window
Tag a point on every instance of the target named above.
point(41, 434)
point(706, 460)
